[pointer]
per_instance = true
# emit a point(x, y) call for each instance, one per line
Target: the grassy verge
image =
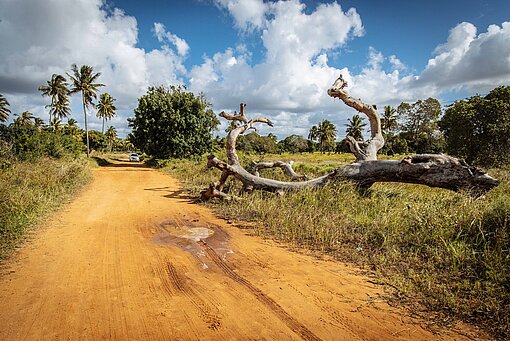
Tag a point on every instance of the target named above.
point(30, 190)
point(443, 250)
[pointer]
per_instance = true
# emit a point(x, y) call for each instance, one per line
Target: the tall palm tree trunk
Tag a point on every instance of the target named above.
point(86, 127)
point(102, 129)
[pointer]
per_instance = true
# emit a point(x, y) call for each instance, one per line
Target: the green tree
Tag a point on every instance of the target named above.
point(294, 144)
point(355, 127)
point(73, 130)
point(24, 120)
point(38, 122)
point(111, 136)
point(478, 128)
point(57, 90)
point(313, 135)
point(171, 122)
point(72, 122)
point(255, 143)
point(106, 109)
point(98, 140)
point(420, 128)
point(4, 109)
point(84, 81)
point(326, 135)
point(56, 124)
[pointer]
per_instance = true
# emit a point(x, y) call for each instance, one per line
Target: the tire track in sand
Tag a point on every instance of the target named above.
point(290, 321)
point(212, 320)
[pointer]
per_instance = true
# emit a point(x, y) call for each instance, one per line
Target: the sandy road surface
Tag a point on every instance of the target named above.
point(133, 259)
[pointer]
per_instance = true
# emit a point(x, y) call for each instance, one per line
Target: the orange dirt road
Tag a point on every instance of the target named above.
point(131, 258)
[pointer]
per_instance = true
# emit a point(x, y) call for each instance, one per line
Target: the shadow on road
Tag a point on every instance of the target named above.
point(102, 162)
point(179, 194)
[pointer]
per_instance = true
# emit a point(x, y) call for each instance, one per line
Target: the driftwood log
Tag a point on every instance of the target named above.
point(434, 170)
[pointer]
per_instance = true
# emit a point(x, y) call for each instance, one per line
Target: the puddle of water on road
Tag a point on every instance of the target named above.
point(187, 236)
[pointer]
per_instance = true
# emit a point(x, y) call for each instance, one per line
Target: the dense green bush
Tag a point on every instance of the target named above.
point(478, 128)
point(173, 123)
point(28, 143)
point(255, 143)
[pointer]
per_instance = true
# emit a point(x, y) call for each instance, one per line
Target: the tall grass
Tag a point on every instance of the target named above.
point(445, 250)
point(30, 190)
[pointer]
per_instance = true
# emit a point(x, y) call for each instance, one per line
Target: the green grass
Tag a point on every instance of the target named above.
point(31, 190)
point(445, 250)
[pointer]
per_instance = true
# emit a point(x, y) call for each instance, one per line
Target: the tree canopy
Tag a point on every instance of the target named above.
point(478, 128)
point(171, 122)
point(355, 127)
point(294, 144)
point(255, 143)
point(57, 90)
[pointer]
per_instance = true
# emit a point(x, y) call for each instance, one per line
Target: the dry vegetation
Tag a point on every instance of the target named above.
point(31, 190)
point(438, 250)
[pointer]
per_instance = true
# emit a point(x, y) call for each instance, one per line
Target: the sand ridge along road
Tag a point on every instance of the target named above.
point(132, 258)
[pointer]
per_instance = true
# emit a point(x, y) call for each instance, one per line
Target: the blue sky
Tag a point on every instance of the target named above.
point(279, 57)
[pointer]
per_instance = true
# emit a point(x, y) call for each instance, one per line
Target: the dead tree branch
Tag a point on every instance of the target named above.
point(369, 149)
point(432, 170)
point(286, 167)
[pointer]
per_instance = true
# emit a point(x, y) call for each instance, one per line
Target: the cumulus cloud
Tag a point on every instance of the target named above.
point(247, 14)
point(162, 34)
point(294, 73)
point(474, 61)
point(289, 84)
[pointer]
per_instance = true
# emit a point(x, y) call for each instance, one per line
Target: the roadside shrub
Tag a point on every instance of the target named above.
point(29, 143)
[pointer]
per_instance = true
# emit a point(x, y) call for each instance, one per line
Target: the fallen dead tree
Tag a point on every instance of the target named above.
point(434, 170)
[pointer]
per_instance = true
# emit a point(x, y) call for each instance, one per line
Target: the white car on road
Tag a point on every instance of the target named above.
point(133, 157)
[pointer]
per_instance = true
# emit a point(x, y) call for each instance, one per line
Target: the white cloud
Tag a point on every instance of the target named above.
point(162, 34)
point(294, 74)
point(396, 63)
point(467, 60)
point(248, 14)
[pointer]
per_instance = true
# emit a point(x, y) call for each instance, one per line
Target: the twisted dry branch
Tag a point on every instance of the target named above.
point(434, 170)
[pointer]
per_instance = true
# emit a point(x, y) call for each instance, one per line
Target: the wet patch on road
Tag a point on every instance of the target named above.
point(189, 235)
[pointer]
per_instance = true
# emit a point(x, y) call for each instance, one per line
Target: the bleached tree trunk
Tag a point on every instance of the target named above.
point(434, 170)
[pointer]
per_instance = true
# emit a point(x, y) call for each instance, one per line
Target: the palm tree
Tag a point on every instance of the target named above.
point(111, 136)
point(4, 110)
point(72, 129)
point(83, 81)
point(106, 109)
point(72, 122)
point(326, 133)
point(38, 123)
point(313, 134)
point(55, 123)
point(389, 121)
point(24, 120)
point(56, 88)
point(355, 127)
